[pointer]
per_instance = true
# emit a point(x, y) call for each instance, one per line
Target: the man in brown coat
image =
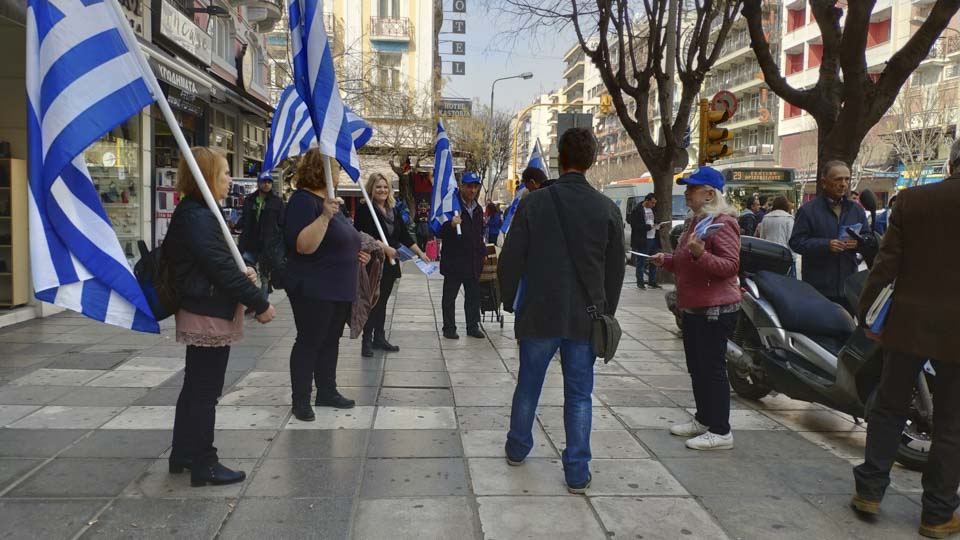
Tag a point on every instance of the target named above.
point(921, 326)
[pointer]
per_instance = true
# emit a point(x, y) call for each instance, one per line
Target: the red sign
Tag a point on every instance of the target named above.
point(724, 101)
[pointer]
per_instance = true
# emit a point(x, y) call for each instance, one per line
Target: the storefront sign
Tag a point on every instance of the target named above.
point(180, 80)
point(133, 9)
point(180, 29)
point(455, 107)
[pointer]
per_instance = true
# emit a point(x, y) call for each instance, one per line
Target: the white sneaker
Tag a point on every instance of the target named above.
point(690, 429)
point(711, 441)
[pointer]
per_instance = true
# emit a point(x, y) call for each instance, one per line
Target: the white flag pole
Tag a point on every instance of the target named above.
point(328, 174)
point(131, 40)
point(457, 214)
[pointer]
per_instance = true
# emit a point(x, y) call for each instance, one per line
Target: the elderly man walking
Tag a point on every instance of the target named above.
point(920, 325)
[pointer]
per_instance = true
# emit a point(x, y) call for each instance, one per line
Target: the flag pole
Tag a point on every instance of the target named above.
point(376, 220)
point(328, 174)
point(131, 40)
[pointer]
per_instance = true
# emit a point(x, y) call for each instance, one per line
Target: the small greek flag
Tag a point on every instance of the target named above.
point(82, 81)
point(293, 133)
point(445, 201)
point(316, 82)
point(536, 160)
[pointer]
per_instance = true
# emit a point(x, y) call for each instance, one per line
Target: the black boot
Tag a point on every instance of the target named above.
point(380, 342)
point(178, 465)
point(215, 474)
point(366, 348)
point(303, 412)
point(335, 400)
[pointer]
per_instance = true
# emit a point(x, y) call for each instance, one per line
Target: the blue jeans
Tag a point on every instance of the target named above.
point(651, 247)
point(576, 360)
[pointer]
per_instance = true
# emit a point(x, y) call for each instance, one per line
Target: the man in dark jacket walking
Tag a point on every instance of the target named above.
point(920, 325)
point(820, 234)
point(540, 265)
point(262, 211)
point(643, 239)
point(461, 259)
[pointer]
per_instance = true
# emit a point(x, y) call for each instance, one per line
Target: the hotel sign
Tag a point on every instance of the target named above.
point(182, 31)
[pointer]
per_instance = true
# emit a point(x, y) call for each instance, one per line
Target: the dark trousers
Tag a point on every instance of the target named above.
point(471, 302)
point(378, 315)
point(196, 412)
point(650, 247)
point(705, 346)
point(941, 478)
point(315, 351)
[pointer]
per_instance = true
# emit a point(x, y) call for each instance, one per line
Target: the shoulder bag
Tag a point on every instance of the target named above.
point(605, 329)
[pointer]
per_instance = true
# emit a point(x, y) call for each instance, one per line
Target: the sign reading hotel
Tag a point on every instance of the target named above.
point(459, 108)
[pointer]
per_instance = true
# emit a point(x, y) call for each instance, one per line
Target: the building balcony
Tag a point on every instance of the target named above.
point(263, 15)
point(578, 65)
point(398, 29)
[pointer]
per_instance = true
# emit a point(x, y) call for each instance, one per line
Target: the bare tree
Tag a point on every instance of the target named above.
point(918, 126)
point(487, 146)
point(846, 100)
point(873, 151)
point(628, 42)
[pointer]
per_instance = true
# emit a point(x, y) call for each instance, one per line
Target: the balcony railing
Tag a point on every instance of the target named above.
point(390, 28)
point(943, 47)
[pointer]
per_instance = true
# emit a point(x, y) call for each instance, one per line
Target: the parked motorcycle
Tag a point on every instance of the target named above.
point(793, 340)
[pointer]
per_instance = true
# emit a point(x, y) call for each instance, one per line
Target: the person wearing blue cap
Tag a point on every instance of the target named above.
point(461, 259)
point(706, 263)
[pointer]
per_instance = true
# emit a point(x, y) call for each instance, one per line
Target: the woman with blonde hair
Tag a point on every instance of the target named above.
point(381, 194)
point(213, 294)
point(323, 251)
point(706, 263)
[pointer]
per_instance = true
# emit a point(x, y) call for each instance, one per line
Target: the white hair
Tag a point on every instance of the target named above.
point(718, 205)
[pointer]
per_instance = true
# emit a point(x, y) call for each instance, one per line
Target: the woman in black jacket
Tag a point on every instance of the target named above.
point(213, 294)
point(323, 253)
point(374, 336)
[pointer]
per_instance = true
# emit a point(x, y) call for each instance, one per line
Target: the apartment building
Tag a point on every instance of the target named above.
point(754, 125)
point(538, 122)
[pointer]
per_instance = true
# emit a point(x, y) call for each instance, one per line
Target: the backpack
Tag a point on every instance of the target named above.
point(156, 277)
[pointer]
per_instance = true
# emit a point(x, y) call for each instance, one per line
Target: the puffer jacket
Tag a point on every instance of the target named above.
point(207, 277)
point(710, 280)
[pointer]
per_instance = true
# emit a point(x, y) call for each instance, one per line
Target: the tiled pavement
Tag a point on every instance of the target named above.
point(86, 412)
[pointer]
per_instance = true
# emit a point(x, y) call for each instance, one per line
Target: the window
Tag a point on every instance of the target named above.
point(796, 18)
point(257, 60)
point(389, 8)
point(878, 33)
point(222, 41)
point(794, 62)
point(791, 111)
point(388, 71)
point(816, 54)
point(952, 71)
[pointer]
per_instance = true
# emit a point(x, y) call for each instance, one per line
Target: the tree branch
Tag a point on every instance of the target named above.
point(753, 13)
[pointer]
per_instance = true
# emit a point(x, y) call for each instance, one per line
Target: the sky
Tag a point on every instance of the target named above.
point(491, 53)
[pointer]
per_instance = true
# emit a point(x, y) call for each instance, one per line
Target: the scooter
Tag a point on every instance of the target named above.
point(793, 340)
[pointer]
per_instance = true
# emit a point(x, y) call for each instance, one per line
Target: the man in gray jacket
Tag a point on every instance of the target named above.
point(538, 278)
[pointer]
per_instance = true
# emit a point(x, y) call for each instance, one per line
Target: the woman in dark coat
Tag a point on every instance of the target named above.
point(213, 294)
point(494, 222)
point(323, 251)
point(380, 192)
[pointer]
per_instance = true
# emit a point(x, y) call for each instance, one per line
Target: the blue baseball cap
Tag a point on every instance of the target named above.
point(704, 176)
point(470, 178)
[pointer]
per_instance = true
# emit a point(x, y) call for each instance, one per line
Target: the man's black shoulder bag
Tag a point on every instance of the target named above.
point(605, 332)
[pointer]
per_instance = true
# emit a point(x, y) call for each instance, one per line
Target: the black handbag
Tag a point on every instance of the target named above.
point(605, 330)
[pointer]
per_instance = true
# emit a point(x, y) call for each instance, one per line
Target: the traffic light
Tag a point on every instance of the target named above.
point(512, 185)
point(712, 138)
point(606, 104)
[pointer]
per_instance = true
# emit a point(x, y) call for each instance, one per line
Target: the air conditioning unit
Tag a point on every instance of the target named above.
point(766, 148)
point(752, 149)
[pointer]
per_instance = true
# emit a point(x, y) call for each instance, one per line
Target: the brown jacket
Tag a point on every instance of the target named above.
point(919, 251)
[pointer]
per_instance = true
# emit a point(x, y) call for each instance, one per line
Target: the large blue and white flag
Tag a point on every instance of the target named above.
point(316, 82)
point(536, 160)
point(293, 133)
point(444, 202)
point(82, 81)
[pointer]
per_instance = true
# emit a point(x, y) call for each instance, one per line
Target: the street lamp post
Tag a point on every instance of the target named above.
point(525, 75)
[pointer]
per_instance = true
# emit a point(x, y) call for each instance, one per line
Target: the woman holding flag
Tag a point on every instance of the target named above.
point(380, 192)
point(323, 253)
point(213, 295)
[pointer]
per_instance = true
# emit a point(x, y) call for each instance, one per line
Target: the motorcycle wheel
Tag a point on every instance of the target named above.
point(744, 384)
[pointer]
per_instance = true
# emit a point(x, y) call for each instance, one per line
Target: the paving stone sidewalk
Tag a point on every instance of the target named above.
point(86, 412)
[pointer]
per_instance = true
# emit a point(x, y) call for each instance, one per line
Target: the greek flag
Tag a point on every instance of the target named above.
point(316, 82)
point(82, 81)
point(536, 160)
point(445, 201)
point(292, 132)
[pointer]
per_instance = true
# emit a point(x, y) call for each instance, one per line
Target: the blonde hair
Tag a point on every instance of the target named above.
point(310, 171)
point(212, 163)
point(372, 183)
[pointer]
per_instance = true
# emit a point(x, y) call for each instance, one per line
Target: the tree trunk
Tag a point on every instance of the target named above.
point(662, 174)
